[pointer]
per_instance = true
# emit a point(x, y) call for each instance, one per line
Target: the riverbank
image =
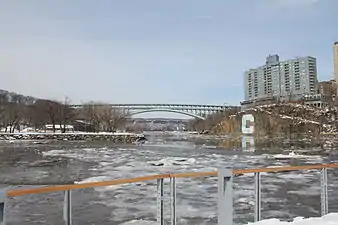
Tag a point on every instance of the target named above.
point(322, 141)
point(279, 119)
point(119, 138)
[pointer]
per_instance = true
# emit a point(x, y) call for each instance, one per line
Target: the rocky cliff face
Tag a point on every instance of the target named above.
point(284, 119)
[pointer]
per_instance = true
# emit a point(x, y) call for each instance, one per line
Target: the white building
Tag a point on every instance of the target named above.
point(284, 80)
point(58, 128)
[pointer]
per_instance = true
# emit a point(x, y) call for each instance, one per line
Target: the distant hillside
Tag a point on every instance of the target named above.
point(15, 97)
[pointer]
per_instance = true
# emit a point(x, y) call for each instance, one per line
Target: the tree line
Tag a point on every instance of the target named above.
point(17, 111)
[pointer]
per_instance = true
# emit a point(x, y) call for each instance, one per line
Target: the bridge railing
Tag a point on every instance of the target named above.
point(225, 191)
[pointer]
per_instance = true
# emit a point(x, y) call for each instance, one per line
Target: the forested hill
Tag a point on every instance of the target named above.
point(15, 97)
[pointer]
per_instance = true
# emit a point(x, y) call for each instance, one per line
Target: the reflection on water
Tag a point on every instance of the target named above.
point(244, 143)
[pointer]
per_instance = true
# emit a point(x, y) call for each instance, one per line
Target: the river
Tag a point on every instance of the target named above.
point(24, 164)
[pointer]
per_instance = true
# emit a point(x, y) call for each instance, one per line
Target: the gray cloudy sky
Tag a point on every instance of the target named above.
point(152, 51)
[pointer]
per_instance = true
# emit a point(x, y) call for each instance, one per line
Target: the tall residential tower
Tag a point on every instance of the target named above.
point(335, 62)
point(282, 79)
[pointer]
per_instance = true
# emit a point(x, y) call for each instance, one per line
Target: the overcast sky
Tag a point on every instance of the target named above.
point(155, 51)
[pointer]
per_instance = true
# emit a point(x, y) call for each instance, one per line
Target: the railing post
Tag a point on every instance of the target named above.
point(225, 198)
point(173, 200)
point(2, 207)
point(160, 201)
point(257, 197)
point(324, 193)
point(67, 208)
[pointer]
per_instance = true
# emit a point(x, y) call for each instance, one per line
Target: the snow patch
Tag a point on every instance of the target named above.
point(170, 161)
point(330, 219)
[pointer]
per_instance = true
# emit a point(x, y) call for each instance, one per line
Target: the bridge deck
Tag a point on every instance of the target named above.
point(168, 106)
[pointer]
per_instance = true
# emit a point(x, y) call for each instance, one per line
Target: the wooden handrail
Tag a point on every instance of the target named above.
point(285, 169)
point(40, 190)
point(194, 174)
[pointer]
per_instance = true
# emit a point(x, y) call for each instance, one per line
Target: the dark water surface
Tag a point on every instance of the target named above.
point(25, 165)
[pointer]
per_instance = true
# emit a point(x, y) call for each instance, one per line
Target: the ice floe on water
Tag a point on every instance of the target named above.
point(292, 155)
point(196, 197)
point(170, 161)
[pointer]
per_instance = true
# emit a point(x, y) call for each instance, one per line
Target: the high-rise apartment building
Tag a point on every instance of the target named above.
point(290, 79)
point(335, 62)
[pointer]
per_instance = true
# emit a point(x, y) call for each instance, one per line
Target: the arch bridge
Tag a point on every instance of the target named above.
point(193, 110)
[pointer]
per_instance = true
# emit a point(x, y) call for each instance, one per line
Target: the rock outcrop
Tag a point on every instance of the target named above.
point(115, 138)
point(284, 119)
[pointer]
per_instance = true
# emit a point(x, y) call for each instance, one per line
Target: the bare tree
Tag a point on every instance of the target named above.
point(53, 112)
point(117, 119)
point(211, 120)
point(91, 113)
point(3, 103)
point(38, 113)
point(111, 118)
point(13, 112)
point(48, 111)
point(12, 116)
point(17, 110)
point(104, 117)
point(65, 114)
point(29, 115)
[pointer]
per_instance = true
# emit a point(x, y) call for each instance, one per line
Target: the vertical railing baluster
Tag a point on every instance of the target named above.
point(2, 207)
point(173, 200)
point(160, 201)
point(324, 192)
point(225, 198)
point(257, 197)
point(67, 208)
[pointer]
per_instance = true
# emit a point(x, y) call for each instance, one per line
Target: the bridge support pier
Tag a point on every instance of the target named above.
point(2, 207)
point(225, 197)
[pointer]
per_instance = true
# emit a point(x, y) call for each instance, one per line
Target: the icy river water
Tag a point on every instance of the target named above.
point(25, 164)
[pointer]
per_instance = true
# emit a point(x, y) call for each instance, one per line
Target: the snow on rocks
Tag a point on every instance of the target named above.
point(296, 114)
point(112, 137)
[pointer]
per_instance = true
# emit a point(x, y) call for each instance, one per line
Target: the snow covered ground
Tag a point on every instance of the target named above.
point(68, 133)
point(330, 219)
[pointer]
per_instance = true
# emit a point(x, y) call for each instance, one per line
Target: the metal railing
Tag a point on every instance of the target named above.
point(225, 191)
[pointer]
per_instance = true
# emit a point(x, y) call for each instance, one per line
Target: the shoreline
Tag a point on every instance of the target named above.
point(301, 141)
point(120, 138)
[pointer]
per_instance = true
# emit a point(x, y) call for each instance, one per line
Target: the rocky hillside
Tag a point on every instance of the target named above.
point(291, 119)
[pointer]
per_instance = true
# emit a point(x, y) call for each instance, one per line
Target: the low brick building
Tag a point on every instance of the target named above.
point(327, 88)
